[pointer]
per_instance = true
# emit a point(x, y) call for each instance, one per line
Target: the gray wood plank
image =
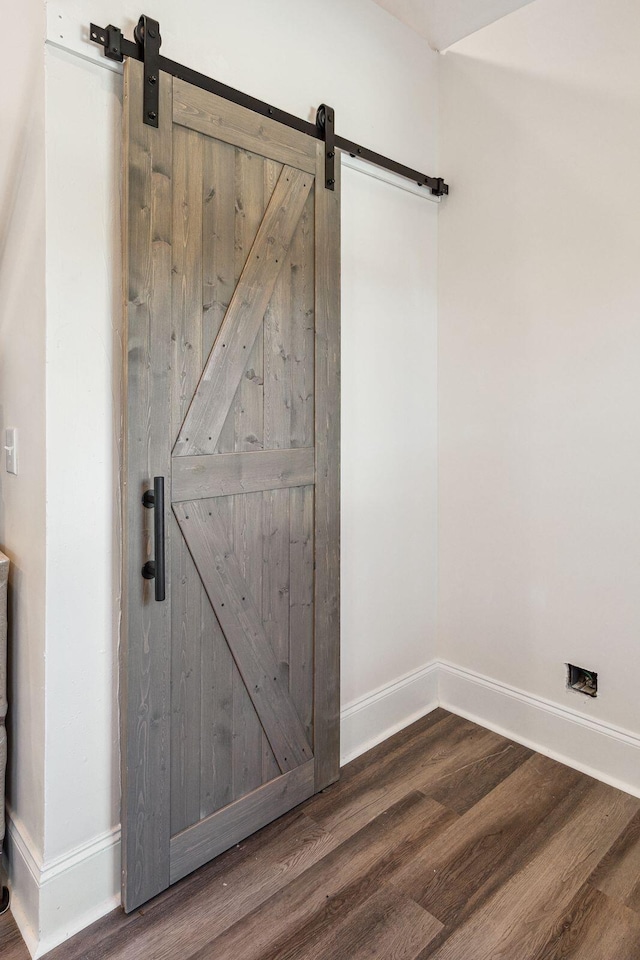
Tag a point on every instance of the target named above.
point(244, 424)
point(275, 577)
point(186, 279)
point(327, 503)
point(301, 604)
point(145, 659)
point(247, 741)
point(218, 118)
point(220, 243)
point(270, 768)
point(216, 778)
point(277, 360)
point(204, 840)
point(219, 278)
point(225, 365)
point(247, 520)
point(221, 475)
point(220, 573)
point(186, 634)
point(247, 410)
point(303, 328)
point(186, 367)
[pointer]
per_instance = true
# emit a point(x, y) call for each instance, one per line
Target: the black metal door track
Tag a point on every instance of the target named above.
point(146, 48)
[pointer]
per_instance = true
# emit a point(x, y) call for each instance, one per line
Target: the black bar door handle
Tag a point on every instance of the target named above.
point(155, 569)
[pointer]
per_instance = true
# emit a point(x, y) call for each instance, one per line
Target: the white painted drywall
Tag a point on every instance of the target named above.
point(22, 398)
point(539, 352)
point(389, 495)
point(279, 52)
point(83, 417)
point(443, 22)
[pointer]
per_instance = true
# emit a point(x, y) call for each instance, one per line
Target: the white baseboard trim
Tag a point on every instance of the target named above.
point(51, 902)
point(371, 719)
point(601, 750)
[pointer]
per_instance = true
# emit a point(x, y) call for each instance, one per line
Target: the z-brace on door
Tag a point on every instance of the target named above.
point(229, 702)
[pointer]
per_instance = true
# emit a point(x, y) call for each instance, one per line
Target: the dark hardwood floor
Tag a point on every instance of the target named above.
point(446, 842)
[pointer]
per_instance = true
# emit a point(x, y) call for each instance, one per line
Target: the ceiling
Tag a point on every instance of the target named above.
point(443, 22)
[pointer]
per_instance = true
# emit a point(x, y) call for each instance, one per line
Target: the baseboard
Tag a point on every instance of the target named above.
point(371, 719)
point(51, 902)
point(601, 750)
point(23, 870)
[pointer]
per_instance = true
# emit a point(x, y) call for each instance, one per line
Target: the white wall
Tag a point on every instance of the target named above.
point(539, 352)
point(372, 68)
point(22, 390)
point(389, 437)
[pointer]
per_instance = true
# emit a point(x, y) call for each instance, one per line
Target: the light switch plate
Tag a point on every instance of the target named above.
point(11, 449)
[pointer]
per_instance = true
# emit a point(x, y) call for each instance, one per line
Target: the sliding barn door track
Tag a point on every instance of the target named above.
point(146, 48)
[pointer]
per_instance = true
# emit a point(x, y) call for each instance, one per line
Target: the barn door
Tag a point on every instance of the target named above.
point(229, 693)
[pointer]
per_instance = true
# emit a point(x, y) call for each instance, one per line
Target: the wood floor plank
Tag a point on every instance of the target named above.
point(12, 946)
point(518, 919)
point(386, 925)
point(455, 745)
point(522, 853)
point(419, 832)
point(460, 792)
point(444, 876)
point(618, 874)
point(264, 932)
point(594, 927)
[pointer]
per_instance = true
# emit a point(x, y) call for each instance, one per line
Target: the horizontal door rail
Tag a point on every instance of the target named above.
point(146, 48)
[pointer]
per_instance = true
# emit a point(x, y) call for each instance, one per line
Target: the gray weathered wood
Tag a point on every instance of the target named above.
point(146, 625)
point(227, 275)
point(218, 242)
point(186, 366)
point(226, 363)
point(236, 612)
point(277, 359)
point(221, 475)
point(222, 120)
point(303, 328)
point(245, 417)
point(245, 428)
point(327, 505)
point(216, 750)
point(204, 840)
point(301, 604)
point(186, 662)
point(275, 578)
